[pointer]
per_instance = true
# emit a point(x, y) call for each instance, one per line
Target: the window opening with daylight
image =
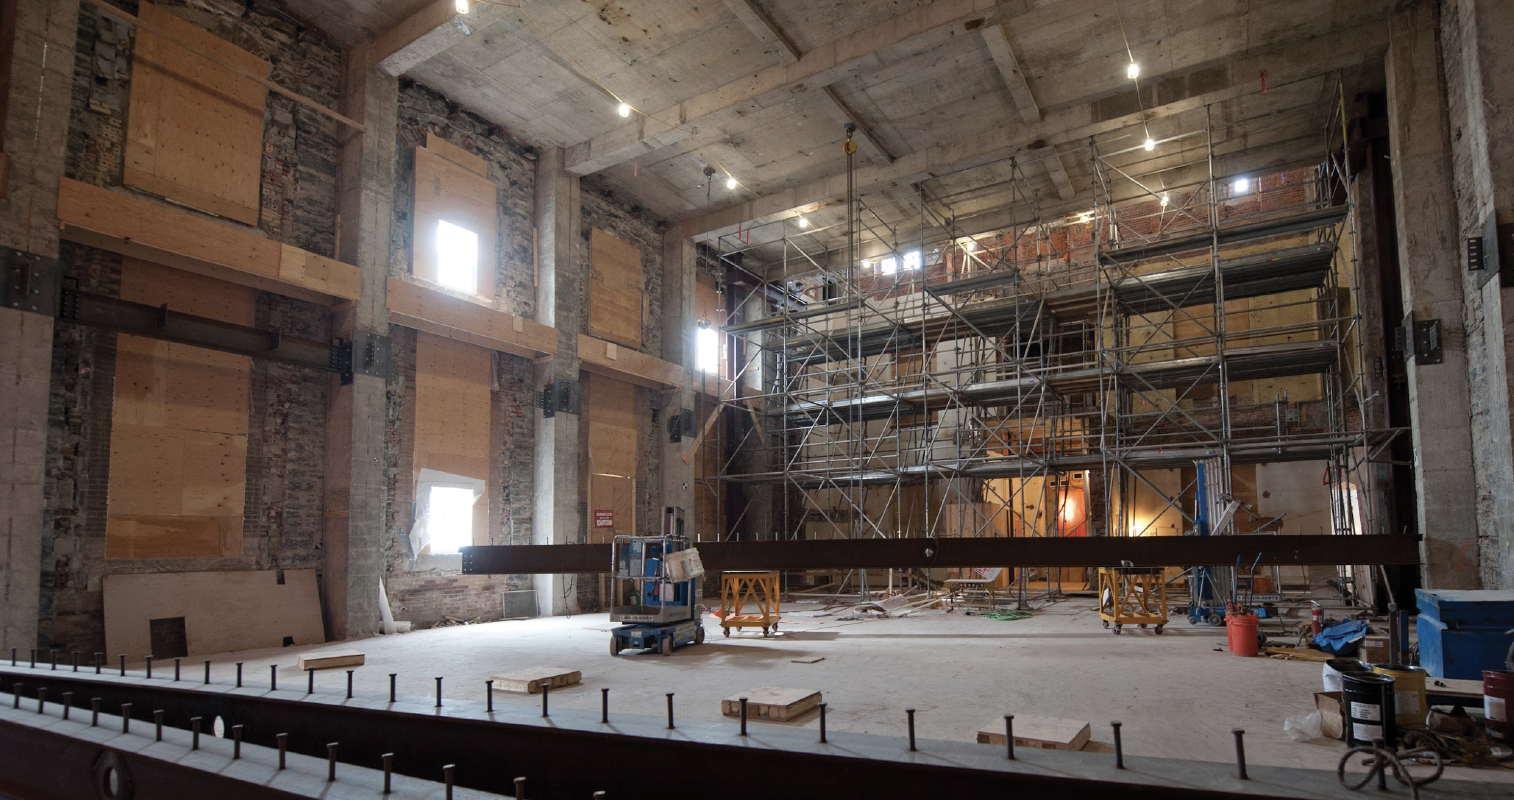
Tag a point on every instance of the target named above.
point(456, 257)
point(443, 513)
point(707, 350)
point(912, 260)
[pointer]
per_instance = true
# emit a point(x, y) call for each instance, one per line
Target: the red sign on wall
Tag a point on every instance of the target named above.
point(604, 518)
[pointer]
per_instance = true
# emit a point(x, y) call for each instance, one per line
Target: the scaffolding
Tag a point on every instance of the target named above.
point(1056, 376)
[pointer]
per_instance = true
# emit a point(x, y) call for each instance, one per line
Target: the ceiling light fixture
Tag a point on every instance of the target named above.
point(1164, 199)
point(803, 223)
point(622, 109)
point(1151, 144)
point(1133, 70)
point(462, 6)
point(730, 182)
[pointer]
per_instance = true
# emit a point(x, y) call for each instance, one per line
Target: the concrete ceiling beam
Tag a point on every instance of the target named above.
point(765, 29)
point(1297, 61)
point(429, 32)
point(997, 40)
point(842, 58)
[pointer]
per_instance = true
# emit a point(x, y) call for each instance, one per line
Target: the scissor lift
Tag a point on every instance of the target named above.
point(663, 613)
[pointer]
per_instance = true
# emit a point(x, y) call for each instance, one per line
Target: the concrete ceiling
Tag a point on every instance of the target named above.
point(944, 92)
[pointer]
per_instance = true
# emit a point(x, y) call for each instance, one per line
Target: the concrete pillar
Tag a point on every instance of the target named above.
point(41, 54)
point(679, 268)
point(1476, 61)
point(1430, 268)
point(560, 300)
point(357, 479)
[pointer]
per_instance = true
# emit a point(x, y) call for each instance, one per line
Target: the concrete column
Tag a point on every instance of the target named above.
point(357, 479)
point(679, 269)
point(1476, 61)
point(41, 55)
point(560, 300)
point(1430, 268)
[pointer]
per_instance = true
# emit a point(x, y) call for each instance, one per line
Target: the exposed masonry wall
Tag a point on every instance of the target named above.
point(1473, 111)
point(285, 463)
point(427, 591)
point(602, 209)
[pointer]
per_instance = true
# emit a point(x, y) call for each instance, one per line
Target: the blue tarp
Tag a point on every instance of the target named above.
point(1342, 638)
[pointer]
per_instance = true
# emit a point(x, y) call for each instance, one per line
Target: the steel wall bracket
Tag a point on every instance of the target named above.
point(561, 395)
point(681, 424)
point(366, 353)
point(29, 282)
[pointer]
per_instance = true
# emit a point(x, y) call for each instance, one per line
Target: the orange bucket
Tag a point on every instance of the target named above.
point(1242, 631)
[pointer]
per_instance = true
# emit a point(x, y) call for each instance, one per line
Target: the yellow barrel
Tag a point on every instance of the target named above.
point(1409, 688)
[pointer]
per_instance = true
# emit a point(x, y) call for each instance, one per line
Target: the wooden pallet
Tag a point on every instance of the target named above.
point(1041, 733)
point(771, 703)
point(330, 660)
point(529, 681)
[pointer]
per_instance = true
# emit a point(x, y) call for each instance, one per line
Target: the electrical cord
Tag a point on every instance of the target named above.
point(1382, 759)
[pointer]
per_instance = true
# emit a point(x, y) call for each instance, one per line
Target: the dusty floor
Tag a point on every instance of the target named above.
point(1178, 694)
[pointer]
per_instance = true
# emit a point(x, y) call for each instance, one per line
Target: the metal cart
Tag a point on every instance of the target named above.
point(663, 612)
point(1133, 596)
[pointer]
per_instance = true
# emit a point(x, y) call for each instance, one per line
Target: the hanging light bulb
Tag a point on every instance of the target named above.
point(462, 6)
point(622, 109)
point(1151, 144)
point(1133, 70)
point(730, 182)
point(969, 244)
point(803, 223)
point(1240, 186)
point(1164, 199)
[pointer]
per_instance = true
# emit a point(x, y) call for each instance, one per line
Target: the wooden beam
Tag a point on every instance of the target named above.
point(997, 40)
point(426, 309)
point(428, 33)
point(608, 359)
point(852, 54)
point(1304, 60)
point(260, 79)
point(757, 20)
point(133, 226)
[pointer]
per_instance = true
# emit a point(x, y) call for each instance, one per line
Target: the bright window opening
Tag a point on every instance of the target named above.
point(451, 522)
point(888, 266)
point(912, 260)
point(707, 350)
point(456, 257)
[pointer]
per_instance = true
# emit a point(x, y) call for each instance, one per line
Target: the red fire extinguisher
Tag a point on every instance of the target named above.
point(1317, 617)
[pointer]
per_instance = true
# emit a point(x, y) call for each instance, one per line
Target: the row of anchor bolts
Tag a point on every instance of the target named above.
point(546, 686)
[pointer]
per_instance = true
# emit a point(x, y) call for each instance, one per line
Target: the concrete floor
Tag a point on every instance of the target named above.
point(1178, 694)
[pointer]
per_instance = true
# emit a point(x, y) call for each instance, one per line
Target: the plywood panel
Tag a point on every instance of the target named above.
point(613, 412)
point(456, 155)
point(141, 381)
point(146, 470)
point(447, 191)
point(149, 536)
point(222, 611)
point(155, 285)
point(207, 389)
point(452, 398)
point(194, 127)
point(215, 474)
point(615, 289)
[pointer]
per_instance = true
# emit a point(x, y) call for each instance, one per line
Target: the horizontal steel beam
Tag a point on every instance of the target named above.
point(1141, 551)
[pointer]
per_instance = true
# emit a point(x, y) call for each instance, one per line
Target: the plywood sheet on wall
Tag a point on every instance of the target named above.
point(452, 400)
point(445, 190)
point(194, 128)
point(612, 412)
point(222, 610)
point(179, 427)
point(615, 289)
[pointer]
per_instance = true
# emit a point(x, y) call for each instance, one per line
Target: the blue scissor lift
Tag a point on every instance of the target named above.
point(663, 613)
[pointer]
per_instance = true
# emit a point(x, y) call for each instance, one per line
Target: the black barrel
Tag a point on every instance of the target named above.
point(1368, 702)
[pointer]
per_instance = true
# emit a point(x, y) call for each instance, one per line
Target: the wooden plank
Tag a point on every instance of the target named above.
point(129, 536)
point(151, 231)
point(615, 289)
point(314, 271)
point(529, 681)
point(1043, 733)
point(426, 309)
point(456, 154)
point(772, 703)
point(350, 658)
point(194, 127)
point(446, 191)
point(222, 611)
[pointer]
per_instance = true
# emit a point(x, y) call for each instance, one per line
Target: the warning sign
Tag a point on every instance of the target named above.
point(604, 518)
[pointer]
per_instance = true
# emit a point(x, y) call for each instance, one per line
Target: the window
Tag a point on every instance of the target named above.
point(888, 266)
point(912, 259)
point(451, 519)
point(707, 350)
point(456, 257)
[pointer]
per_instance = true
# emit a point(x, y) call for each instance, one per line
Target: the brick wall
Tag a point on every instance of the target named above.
point(282, 525)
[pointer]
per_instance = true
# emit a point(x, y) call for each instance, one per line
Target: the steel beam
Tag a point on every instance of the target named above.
point(1141, 551)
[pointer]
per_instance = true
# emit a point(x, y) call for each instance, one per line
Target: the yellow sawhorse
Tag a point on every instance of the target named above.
point(1132, 596)
point(760, 590)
